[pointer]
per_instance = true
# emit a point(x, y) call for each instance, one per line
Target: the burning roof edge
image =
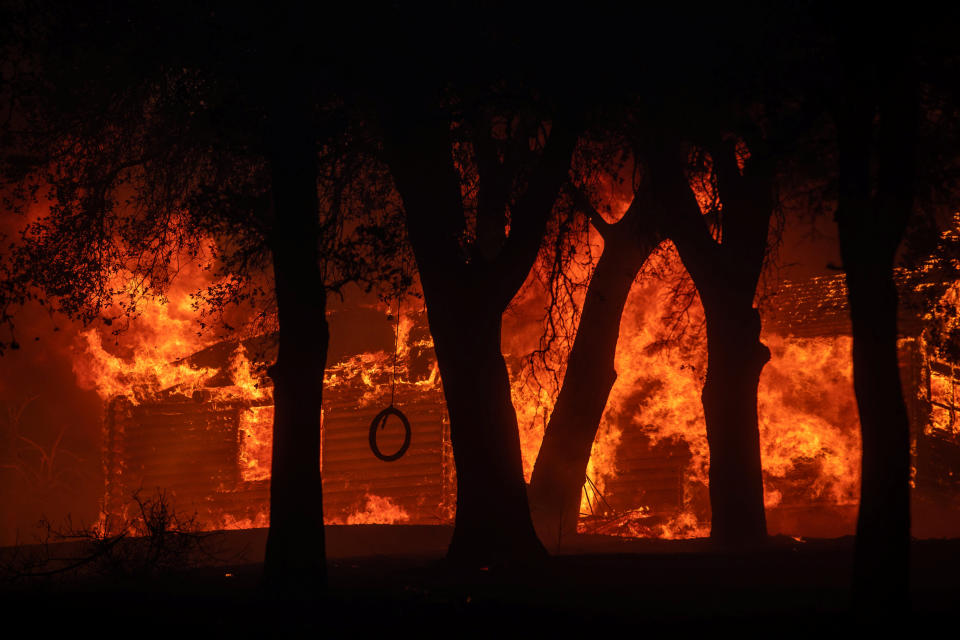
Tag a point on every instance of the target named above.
point(819, 306)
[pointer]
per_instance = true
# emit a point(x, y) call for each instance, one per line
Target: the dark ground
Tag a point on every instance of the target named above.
point(391, 579)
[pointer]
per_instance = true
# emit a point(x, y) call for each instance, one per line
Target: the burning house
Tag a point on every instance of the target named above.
point(205, 440)
point(809, 424)
point(204, 434)
point(817, 309)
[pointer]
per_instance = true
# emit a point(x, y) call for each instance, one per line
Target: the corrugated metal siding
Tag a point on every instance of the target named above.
point(186, 447)
point(416, 482)
point(815, 307)
point(189, 448)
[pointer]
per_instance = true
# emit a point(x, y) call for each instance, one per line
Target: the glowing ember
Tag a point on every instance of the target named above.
point(942, 328)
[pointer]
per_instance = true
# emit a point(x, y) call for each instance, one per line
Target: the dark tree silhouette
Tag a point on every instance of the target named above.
point(295, 552)
point(561, 465)
point(479, 120)
point(725, 264)
point(713, 94)
point(726, 274)
point(467, 290)
point(146, 127)
point(873, 207)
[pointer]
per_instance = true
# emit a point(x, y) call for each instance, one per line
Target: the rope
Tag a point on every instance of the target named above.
point(396, 352)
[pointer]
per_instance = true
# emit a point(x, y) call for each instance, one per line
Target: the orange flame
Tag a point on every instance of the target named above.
point(147, 349)
point(808, 428)
point(374, 510)
point(807, 413)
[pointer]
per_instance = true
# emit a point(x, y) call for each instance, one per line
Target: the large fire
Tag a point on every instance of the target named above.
point(148, 360)
point(146, 353)
point(808, 420)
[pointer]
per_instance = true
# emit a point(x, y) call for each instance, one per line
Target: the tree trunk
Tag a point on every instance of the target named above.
point(493, 524)
point(872, 213)
point(726, 276)
point(881, 565)
point(735, 358)
point(466, 287)
point(295, 552)
point(561, 466)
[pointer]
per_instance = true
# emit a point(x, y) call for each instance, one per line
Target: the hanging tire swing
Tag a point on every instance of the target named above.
point(380, 420)
point(379, 423)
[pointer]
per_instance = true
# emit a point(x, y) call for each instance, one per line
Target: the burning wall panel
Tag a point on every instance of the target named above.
point(209, 447)
point(938, 445)
point(415, 484)
point(187, 447)
point(190, 448)
point(649, 475)
point(818, 308)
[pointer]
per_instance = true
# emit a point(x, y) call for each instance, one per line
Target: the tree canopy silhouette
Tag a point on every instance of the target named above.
point(143, 129)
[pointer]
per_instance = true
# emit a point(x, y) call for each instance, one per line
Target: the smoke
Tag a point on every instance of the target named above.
point(49, 431)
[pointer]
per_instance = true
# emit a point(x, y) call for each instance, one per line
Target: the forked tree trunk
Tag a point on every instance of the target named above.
point(726, 276)
point(466, 290)
point(295, 552)
point(560, 470)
